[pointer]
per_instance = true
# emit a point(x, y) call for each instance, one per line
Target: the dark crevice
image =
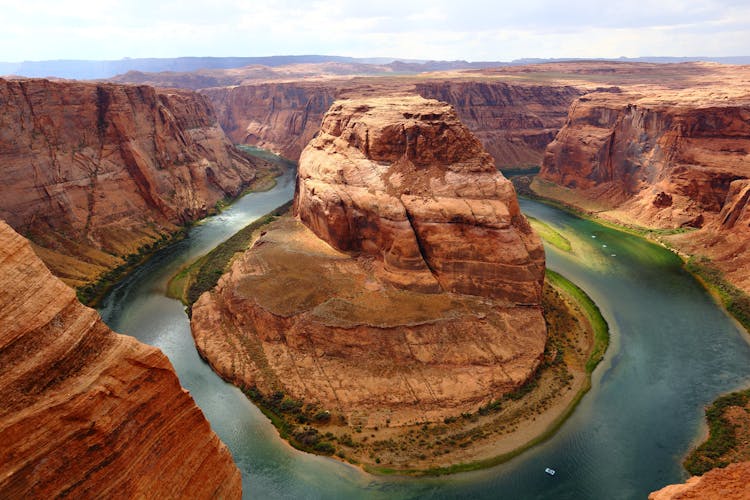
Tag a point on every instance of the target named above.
point(421, 248)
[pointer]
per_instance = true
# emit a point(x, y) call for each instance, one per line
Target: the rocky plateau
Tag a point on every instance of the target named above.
point(408, 286)
point(88, 413)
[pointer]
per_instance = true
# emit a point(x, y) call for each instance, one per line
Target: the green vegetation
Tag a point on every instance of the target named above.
point(92, 293)
point(722, 435)
point(734, 300)
point(290, 417)
point(549, 234)
point(593, 314)
point(203, 274)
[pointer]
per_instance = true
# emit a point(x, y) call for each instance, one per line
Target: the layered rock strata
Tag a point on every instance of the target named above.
point(93, 172)
point(662, 161)
point(88, 413)
point(408, 288)
point(514, 122)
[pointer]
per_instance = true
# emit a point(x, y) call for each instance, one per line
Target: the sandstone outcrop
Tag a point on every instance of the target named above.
point(405, 181)
point(514, 122)
point(93, 172)
point(730, 483)
point(664, 161)
point(87, 413)
point(407, 290)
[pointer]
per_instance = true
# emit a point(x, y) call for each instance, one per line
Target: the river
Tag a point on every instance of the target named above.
point(673, 350)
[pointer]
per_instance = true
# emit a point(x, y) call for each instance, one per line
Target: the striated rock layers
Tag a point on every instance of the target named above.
point(93, 172)
point(85, 412)
point(409, 287)
point(668, 161)
point(514, 122)
point(730, 483)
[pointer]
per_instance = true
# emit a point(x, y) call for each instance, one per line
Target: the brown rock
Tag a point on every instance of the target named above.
point(514, 122)
point(92, 172)
point(403, 180)
point(664, 160)
point(412, 312)
point(730, 483)
point(87, 412)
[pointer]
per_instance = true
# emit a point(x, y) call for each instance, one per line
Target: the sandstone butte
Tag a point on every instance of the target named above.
point(408, 286)
point(92, 172)
point(667, 160)
point(730, 483)
point(88, 413)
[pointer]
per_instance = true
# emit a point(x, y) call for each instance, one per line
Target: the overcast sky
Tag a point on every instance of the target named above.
point(434, 29)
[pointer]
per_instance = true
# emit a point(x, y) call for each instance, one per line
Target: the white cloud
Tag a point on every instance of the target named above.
point(470, 29)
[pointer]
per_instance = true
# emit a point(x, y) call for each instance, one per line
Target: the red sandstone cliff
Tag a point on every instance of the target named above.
point(664, 161)
point(396, 300)
point(514, 122)
point(93, 172)
point(282, 117)
point(87, 413)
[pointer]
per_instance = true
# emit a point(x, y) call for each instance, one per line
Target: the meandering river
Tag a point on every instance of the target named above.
point(673, 350)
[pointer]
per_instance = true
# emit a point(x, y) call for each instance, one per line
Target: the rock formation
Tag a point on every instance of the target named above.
point(666, 161)
point(409, 287)
point(730, 483)
point(405, 181)
point(93, 172)
point(87, 413)
point(514, 122)
point(282, 117)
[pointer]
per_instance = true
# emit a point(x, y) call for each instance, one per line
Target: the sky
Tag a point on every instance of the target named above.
point(474, 30)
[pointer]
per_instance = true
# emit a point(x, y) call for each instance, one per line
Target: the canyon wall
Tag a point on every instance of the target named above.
point(514, 122)
point(93, 172)
point(87, 413)
point(407, 290)
point(667, 162)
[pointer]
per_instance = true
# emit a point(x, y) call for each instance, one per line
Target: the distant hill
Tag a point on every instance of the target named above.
point(94, 70)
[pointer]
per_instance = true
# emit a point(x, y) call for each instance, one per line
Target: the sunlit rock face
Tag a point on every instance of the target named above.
point(88, 413)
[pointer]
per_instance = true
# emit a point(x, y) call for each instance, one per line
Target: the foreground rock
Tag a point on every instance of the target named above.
point(92, 173)
point(730, 483)
point(410, 291)
point(87, 412)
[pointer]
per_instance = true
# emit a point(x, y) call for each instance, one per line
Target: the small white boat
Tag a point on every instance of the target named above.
point(549, 471)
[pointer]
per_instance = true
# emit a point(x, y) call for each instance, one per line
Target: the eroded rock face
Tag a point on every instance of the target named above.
point(87, 412)
point(663, 163)
point(92, 172)
point(514, 122)
point(405, 181)
point(672, 161)
point(730, 483)
point(394, 298)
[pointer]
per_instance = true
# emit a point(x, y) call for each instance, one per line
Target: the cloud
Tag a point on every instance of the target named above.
point(436, 29)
